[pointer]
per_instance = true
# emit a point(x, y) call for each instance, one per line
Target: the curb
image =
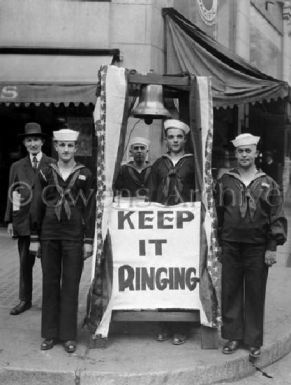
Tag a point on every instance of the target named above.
point(231, 370)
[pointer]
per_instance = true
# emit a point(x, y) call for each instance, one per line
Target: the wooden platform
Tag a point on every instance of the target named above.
point(209, 336)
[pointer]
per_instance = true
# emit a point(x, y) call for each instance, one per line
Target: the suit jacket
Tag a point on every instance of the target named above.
point(22, 178)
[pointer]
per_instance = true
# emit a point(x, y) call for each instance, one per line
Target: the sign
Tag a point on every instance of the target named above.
point(47, 93)
point(155, 251)
point(8, 92)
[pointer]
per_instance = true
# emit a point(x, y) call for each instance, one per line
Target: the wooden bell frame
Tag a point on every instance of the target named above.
point(184, 88)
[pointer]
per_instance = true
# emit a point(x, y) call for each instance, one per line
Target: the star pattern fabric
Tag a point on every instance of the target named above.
point(101, 187)
point(211, 300)
point(213, 248)
point(109, 126)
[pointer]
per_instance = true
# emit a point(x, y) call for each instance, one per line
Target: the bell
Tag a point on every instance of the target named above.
point(150, 104)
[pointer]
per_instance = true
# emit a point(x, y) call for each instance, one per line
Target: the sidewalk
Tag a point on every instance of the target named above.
point(132, 357)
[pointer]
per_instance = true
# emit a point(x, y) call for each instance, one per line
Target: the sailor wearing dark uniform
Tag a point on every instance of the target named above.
point(173, 174)
point(133, 177)
point(251, 224)
point(64, 219)
point(172, 182)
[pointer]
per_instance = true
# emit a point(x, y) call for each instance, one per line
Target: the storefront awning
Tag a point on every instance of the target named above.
point(234, 81)
point(38, 93)
point(51, 76)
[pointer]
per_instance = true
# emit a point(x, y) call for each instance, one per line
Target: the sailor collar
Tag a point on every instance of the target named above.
point(131, 165)
point(235, 173)
point(182, 157)
point(74, 169)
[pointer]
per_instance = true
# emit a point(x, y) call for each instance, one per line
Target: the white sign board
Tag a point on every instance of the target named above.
point(155, 252)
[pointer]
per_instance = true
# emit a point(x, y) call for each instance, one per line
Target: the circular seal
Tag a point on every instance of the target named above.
point(208, 10)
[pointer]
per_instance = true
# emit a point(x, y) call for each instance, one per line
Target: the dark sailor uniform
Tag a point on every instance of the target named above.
point(250, 221)
point(64, 218)
point(131, 182)
point(171, 183)
point(272, 170)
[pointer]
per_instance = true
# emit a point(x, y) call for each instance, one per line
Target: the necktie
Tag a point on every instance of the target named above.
point(34, 162)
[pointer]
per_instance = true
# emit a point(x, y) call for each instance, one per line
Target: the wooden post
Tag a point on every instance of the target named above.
point(186, 88)
point(194, 122)
point(209, 337)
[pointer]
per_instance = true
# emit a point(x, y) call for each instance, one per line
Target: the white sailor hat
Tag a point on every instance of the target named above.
point(66, 135)
point(174, 123)
point(139, 140)
point(245, 140)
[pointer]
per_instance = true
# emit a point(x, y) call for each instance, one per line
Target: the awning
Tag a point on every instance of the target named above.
point(234, 81)
point(56, 94)
point(50, 76)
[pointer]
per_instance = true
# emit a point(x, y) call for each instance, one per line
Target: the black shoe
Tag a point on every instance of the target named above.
point(47, 344)
point(231, 346)
point(70, 346)
point(21, 307)
point(163, 333)
point(255, 352)
point(179, 339)
point(162, 336)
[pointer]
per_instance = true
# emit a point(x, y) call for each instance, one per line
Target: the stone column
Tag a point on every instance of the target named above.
point(242, 30)
point(286, 75)
point(286, 46)
point(242, 47)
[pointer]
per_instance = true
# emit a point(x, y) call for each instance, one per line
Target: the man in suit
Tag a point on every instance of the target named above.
point(22, 178)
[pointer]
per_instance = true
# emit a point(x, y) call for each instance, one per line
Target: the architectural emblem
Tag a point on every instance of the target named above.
point(208, 10)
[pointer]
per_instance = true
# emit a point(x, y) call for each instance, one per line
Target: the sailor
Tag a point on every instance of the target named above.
point(64, 218)
point(172, 182)
point(173, 175)
point(133, 177)
point(251, 224)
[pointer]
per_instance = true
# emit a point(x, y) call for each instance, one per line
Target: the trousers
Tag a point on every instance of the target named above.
point(62, 265)
point(27, 261)
point(244, 278)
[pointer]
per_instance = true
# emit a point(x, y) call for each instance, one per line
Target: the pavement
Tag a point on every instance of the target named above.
point(131, 357)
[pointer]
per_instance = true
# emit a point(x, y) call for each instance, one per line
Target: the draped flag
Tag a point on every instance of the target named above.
point(110, 118)
point(234, 80)
point(210, 278)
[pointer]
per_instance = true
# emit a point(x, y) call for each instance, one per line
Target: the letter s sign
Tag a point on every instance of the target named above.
point(9, 92)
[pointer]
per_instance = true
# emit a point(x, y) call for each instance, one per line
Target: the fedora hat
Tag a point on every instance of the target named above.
point(32, 129)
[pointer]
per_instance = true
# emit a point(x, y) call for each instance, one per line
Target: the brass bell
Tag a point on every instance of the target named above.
point(151, 104)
